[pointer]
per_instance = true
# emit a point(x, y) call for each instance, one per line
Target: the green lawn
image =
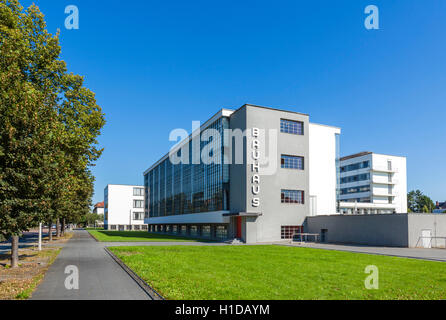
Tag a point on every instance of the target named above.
point(136, 236)
point(279, 272)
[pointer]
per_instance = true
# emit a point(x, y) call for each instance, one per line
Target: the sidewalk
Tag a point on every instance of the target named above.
point(414, 253)
point(100, 277)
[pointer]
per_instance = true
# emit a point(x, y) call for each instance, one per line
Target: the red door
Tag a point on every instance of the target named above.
point(239, 227)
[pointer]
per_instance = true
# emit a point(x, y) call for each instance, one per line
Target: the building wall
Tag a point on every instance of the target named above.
point(98, 210)
point(392, 230)
point(273, 178)
point(375, 230)
point(399, 178)
point(322, 168)
point(120, 205)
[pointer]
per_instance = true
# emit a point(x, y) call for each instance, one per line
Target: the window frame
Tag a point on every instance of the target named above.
point(283, 197)
point(282, 162)
point(288, 121)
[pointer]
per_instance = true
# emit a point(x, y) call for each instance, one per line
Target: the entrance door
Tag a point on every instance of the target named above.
point(239, 227)
point(324, 235)
point(426, 237)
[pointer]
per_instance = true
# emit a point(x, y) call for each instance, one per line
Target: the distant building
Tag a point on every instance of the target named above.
point(372, 183)
point(99, 208)
point(124, 208)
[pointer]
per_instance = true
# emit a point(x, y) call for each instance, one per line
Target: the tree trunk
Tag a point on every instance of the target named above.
point(50, 231)
point(14, 251)
point(58, 228)
point(62, 228)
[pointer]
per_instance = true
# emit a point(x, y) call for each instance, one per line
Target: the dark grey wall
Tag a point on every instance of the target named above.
point(375, 230)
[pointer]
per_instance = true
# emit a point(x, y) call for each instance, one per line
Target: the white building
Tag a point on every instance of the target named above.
point(324, 153)
point(124, 208)
point(372, 183)
point(99, 208)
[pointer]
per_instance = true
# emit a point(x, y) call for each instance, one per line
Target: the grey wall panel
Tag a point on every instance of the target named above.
point(375, 230)
point(434, 222)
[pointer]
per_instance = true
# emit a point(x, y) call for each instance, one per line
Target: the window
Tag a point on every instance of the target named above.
point(292, 196)
point(290, 126)
point(356, 178)
point(138, 204)
point(138, 192)
point(138, 216)
point(365, 188)
point(356, 166)
point(289, 231)
point(292, 162)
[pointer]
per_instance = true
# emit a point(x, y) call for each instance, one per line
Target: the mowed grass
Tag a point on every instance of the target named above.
point(136, 236)
point(279, 272)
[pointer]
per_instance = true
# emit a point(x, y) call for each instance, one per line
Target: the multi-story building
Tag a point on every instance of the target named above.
point(372, 183)
point(253, 174)
point(124, 208)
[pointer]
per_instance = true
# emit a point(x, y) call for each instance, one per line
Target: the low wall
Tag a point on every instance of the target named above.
point(376, 230)
point(435, 223)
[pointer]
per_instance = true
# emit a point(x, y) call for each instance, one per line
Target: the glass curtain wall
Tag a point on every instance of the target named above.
point(189, 188)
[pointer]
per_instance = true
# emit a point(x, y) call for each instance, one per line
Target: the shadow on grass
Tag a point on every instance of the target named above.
point(147, 235)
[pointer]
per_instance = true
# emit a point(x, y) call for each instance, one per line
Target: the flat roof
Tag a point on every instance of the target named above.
point(270, 108)
point(224, 112)
point(356, 155)
point(364, 153)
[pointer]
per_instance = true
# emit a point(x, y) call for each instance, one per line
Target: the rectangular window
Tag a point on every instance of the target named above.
point(292, 162)
point(290, 126)
point(138, 192)
point(292, 196)
point(138, 204)
point(356, 166)
point(356, 178)
point(365, 188)
point(288, 232)
point(138, 216)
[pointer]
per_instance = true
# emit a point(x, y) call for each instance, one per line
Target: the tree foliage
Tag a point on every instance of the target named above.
point(420, 203)
point(49, 126)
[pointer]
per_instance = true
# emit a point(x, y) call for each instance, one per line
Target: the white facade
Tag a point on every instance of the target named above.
point(124, 208)
point(324, 150)
point(98, 210)
point(373, 183)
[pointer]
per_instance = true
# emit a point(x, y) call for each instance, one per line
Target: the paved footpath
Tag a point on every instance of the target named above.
point(414, 253)
point(100, 277)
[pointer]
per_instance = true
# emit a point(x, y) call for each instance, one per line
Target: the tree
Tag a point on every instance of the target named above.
point(48, 128)
point(418, 202)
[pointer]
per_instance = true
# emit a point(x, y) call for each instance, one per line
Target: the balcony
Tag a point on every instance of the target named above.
point(384, 194)
point(384, 169)
point(381, 181)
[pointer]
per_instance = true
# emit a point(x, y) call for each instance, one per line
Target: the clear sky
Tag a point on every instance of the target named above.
point(158, 65)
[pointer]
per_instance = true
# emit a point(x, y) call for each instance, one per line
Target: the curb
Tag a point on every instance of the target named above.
point(92, 236)
point(152, 293)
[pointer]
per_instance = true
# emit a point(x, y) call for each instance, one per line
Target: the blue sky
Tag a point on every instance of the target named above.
point(158, 65)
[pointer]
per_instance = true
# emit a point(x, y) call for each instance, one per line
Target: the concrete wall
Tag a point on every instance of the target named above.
point(392, 230)
point(375, 230)
point(273, 178)
point(436, 223)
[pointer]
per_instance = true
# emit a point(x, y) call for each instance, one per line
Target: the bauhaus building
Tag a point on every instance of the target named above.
point(254, 174)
